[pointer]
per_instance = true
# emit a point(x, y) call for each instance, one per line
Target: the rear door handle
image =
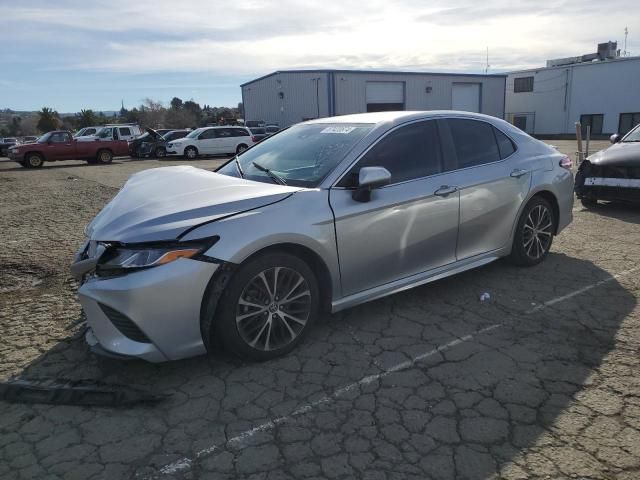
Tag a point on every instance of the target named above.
point(445, 190)
point(518, 172)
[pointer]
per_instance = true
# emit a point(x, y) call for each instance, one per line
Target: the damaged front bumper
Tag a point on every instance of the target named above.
point(153, 314)
point(608, 182)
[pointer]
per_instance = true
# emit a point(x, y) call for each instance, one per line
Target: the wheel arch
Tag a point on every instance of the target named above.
point(220, 279)
point(34, 152)
point(550, 197)
point(546, 193)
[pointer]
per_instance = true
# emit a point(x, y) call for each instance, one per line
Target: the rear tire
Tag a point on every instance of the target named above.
point(191, 153)
point(104, 157)
point(268, 307)
point(588, 202)
point(534, 233)
point(241, 148)
point(33, 160)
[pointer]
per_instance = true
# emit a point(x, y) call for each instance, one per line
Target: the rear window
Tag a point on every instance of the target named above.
point(474, 142)
point(505, 145)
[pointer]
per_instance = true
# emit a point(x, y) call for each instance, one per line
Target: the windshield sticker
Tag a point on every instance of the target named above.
point(343, 130)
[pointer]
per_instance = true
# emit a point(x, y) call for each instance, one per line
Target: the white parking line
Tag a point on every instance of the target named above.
point(581, 290)
point(186, 462)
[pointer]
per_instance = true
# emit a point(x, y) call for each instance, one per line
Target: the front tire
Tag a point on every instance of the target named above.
point(33, 160)
point(534, 233)
point(191, 153)
point(160, 152)
point(588, 202)
point(268, 307)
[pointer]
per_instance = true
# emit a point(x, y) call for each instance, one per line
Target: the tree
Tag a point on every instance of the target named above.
point(194, 109)
point(29, 125)
point(176, 103)
point(86, 118)
point(152, 113)
point(49, 120)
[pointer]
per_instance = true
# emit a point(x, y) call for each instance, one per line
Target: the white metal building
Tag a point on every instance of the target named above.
point(291, 96)
point(603, 93)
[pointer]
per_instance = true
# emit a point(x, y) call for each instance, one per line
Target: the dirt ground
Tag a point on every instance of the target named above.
point(540, 382)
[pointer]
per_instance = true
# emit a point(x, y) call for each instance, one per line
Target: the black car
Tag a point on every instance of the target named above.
point(163, 131)
point(6, 144)
point(152, 144)
point(613, 173)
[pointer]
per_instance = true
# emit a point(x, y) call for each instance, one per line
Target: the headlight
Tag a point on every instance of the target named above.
point(122, 259)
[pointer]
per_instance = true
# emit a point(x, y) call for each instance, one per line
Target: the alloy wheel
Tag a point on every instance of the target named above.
point(273, 309)
point(538, 232)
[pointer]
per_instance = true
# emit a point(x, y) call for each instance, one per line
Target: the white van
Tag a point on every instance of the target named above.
point(114, 132)
point(212, 141)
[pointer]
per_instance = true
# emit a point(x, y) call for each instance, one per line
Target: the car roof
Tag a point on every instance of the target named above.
point(397, 117)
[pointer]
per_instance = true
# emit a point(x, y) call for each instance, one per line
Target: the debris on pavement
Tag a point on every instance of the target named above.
point(75, 392)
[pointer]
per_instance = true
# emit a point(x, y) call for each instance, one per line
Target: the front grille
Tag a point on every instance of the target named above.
point(612, 171)
point(124, 325)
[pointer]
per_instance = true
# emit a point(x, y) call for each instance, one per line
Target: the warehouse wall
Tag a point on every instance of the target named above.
point(351, 91)
point(545, 108)
point(262, 101)
point(609, 88)
point(262, 98)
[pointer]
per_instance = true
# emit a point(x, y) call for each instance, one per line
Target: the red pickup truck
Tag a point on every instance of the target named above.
point(60, 145)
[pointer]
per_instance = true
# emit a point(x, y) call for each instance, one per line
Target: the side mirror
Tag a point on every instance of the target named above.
point(615, 138)
point(368, 179)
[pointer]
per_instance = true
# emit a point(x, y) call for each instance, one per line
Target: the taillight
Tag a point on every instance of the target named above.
point(565, 162)
point(254, 139)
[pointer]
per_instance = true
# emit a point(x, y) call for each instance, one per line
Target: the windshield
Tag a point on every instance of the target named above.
point(633, 135)
point(302, 155)
point(44, 138)
point(195, 133)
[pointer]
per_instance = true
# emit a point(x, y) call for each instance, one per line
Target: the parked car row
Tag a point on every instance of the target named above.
point(110, 141)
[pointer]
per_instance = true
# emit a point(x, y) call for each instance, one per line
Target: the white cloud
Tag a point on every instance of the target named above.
point(257, 36)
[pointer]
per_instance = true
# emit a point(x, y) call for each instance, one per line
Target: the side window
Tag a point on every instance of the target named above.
point(473, 141)
point(207, 134)
point(409, 152)
point(505, 145)
point(58, 138)
point(124, 131)
point(224, 133)
point(240, 132)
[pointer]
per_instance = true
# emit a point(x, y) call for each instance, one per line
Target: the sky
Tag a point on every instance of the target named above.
point(70, 54)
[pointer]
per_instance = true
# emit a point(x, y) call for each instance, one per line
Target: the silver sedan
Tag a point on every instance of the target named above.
point(321, 216)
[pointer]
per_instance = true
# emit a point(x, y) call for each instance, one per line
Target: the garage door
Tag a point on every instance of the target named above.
point(385, 96)
point(466, 97)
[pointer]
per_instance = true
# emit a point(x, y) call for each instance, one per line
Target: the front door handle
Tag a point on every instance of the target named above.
point(518, 172)
point(445, 190)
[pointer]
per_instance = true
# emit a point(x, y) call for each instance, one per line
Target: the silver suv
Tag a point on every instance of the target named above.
point(321, 216)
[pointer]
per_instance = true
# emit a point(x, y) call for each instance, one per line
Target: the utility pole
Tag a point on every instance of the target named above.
point(626, 34)
point(486, 68)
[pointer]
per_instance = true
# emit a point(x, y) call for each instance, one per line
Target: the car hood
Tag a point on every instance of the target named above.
point(162, 203)
point(620, 154)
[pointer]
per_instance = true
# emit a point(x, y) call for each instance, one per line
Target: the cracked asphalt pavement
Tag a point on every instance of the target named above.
point(540, 382)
